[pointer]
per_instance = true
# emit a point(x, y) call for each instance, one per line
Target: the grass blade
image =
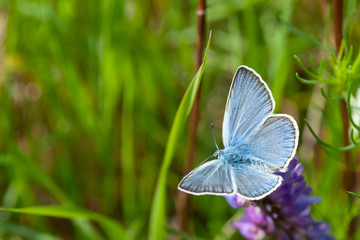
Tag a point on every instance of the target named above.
point(354, 194)
point(157, 216)
point(111, 227)
point(26, 232)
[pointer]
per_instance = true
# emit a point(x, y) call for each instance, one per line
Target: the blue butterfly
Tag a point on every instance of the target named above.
point(257, 143)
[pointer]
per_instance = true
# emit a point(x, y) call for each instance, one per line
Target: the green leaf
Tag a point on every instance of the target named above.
point(354, 194)
point(303, 35)
point(111, 227)
point(25, 232)
point(345, 148)
point(33, 171)
point(305, 81)
point(157, 228)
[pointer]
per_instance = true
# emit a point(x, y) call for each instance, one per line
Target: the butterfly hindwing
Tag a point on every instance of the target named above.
point(212, 177)
point(275, 142)
point(254, 184)
point(248, 104)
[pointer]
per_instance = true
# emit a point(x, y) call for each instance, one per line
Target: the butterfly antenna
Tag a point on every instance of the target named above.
point(205, 161)
point(212, 128)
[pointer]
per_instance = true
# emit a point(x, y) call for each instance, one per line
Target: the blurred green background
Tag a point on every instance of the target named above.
point(89, 91)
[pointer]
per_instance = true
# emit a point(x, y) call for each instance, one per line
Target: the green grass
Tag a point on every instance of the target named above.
point(94, 105)
point(158, 210)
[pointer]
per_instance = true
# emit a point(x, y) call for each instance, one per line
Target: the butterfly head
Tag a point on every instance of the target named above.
point(218, 153)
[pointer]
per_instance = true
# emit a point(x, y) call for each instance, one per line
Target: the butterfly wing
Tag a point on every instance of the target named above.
point(253, 184)
point(265, 142)
point(249, 103)
point(275, 143)
point(213, 177)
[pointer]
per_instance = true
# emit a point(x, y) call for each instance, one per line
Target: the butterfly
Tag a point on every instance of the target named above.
point(257, 143)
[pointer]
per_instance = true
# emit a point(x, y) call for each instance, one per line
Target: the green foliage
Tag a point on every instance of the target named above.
point(341, 74)
point(158, 211)
point(354, 194)
point(111, 227)
point(340, 71)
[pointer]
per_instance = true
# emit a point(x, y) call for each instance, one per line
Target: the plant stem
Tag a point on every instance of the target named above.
point(349, 177)
point(338, 20)
point(182, 198)
point(348, 180)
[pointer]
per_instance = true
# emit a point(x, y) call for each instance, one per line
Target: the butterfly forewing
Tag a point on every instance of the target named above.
point(248, 104)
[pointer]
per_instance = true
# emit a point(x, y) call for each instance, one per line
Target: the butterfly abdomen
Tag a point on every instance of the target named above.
point(255, 164)
point(237, 160)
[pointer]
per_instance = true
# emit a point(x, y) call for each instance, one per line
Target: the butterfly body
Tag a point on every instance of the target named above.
point(237, 159)
point(257, 143)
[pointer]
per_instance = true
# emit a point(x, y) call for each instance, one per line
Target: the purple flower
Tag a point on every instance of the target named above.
point(235, 201)
point(255, 224)
point(284, 214)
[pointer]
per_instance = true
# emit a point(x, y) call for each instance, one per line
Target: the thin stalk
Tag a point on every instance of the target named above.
point(3, 25)
point(182, 198)
point(349, 177)
point(338, 20)
point(349, 181)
